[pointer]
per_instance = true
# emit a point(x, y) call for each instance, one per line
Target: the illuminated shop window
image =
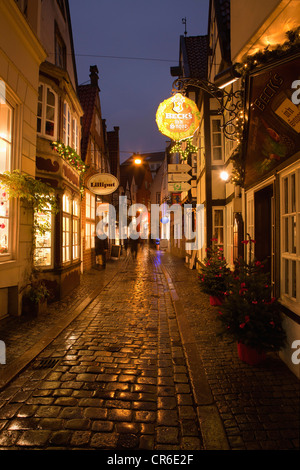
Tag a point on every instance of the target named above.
point(43, 240)
point(6, 120)
point(47, 112)
point(66, 229)
point(76, 225)
point(90, 221)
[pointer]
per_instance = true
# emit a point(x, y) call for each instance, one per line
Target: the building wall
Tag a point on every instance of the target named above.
point(20, 56)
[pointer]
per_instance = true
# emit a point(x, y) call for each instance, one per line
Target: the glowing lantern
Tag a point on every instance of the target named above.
point(178, 117)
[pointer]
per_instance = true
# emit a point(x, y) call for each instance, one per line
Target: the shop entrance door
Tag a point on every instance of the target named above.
point(263, 209)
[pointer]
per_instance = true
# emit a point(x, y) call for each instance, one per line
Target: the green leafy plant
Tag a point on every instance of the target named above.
point(250, 314)
point(37, 291)
point(35, 194)
point(214, 275)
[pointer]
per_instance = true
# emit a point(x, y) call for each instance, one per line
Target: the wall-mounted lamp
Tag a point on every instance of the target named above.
point(224, 176)
point(227, 76)
point(137, 161)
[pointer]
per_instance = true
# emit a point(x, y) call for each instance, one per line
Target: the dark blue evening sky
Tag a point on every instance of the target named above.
point(131, 89)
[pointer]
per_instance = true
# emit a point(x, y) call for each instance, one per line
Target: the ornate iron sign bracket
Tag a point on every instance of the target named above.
point(231, 104)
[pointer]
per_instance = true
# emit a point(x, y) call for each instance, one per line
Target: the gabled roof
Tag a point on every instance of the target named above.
point(87, 95)
point(194, 51)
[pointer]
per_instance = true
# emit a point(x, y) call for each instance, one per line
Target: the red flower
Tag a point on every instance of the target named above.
point(242, 325)
point(257, 263)
point(221, 249)
point(254, 301)
point(247, 318)
point(243, 285)
point(272, 323)
point(253, 241)
point(245, 242)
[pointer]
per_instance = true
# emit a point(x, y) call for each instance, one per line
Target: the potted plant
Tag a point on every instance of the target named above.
point(250, 314)
point(214, 275)
point(34, 301)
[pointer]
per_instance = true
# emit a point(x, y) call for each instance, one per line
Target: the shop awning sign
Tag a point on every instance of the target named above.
point(178, 117)
point(102, 183)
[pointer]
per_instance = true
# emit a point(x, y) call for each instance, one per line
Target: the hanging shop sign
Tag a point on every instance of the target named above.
point(274, 119)
point(178, 117)
point(102, 183)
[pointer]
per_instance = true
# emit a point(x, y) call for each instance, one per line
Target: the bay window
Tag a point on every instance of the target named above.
point(290, 238)
point(66, 229)
point(47, 112)
point(67, 125)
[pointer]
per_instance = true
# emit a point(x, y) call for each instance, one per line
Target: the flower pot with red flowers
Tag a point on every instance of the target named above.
point(251, 316)
point(214, 275)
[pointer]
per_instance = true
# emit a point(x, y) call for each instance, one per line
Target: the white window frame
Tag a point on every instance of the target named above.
point(290, 258)
point(219, 161)
point(67, 124)
point(43, 116)
point(214, 209)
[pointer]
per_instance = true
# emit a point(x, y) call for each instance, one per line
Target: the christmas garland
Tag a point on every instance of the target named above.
point(184, 151)
point(69, 155)
point(260, 58)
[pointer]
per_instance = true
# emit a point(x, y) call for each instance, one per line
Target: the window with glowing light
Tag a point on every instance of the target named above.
point(6, 123)
point(90, 215)
point(43, 240)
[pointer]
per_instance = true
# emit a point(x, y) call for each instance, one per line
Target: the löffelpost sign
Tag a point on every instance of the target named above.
point(178, 117)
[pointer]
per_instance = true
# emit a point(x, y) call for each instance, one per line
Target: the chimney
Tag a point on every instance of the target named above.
point(94, 75)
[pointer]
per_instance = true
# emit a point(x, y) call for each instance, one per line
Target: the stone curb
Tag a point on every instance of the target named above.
point(210, 423)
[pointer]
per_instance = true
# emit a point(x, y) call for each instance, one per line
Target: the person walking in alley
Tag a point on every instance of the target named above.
point(134, 244)
point(101, 247)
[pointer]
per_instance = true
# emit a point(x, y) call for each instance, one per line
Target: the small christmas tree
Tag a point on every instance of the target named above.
point(214, 274)
point(251, 315)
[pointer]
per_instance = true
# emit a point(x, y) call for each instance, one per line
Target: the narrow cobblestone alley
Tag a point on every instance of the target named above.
point(115, 378)
point(132, 361)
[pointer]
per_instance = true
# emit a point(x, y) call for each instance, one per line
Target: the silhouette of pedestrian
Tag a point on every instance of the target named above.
point(101, 247)
point(134, 244)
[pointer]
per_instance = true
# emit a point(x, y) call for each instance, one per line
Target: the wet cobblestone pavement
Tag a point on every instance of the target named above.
point(120, 380)
point(122, 372)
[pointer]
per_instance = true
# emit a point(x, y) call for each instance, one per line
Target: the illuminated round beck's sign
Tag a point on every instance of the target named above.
point(102, 183)
point(178, 117)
